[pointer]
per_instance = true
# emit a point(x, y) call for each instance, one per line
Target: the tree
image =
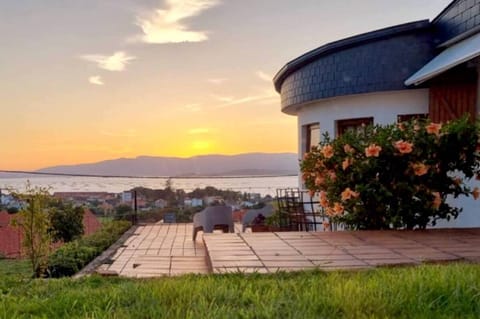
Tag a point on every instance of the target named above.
point(34, 221)
point(169, 192)
point(123, 212)
point(66, 221)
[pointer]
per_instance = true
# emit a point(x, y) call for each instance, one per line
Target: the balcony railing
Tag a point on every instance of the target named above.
point(300, 211)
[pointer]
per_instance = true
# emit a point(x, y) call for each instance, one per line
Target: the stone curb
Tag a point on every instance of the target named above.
point(106, 255)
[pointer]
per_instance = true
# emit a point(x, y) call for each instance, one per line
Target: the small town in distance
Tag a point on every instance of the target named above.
point(167, 205)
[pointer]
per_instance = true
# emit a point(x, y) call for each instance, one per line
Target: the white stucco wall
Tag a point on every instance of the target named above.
point(384, 107)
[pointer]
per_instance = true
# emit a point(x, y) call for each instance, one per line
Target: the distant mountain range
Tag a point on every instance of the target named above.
point(206, 165)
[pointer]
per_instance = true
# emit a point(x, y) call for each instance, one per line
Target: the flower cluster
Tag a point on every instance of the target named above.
point(394, 176)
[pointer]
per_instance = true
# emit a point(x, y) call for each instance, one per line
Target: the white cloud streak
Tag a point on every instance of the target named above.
point(95, 79)
point(115, 62)
point(167, 25)
point(224, 99)
point(266, 96)
point(264, 76)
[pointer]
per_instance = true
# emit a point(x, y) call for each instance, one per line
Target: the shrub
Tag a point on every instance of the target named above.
point(12, 210)
point(394, 176)
point(278, 219)
point(73, 256)
point(123, 212)
point(66, 221)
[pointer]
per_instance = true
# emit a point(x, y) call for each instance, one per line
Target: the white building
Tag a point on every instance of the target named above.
point(160, 203)
point(417, 69)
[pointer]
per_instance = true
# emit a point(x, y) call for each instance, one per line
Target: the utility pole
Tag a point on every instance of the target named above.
point(134, 219)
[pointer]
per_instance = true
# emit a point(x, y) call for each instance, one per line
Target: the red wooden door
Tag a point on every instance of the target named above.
point(448, 102)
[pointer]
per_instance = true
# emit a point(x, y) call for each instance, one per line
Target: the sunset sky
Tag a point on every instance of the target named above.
point(84, 81)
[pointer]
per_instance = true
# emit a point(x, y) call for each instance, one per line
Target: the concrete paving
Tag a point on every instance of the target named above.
point(168, 250)
point(160, 250)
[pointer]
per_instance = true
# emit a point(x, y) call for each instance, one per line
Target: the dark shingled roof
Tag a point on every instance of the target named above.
point(333, 47)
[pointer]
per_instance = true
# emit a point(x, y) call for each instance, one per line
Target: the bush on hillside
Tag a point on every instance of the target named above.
point(73, 256)
point(394, 176)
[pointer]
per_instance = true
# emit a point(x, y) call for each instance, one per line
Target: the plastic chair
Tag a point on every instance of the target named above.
point(213, 217)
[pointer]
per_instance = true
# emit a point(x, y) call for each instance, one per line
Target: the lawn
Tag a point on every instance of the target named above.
point(430, 291)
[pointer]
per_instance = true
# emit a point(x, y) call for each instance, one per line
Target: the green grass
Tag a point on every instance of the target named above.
point(430, 291)
point(14, 268)
point(104, 219)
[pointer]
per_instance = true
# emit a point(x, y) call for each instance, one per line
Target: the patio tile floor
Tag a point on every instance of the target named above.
point(160, 250)
point(168, 250)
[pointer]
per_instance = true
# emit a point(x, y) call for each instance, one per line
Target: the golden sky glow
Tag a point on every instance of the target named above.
point(85, 81)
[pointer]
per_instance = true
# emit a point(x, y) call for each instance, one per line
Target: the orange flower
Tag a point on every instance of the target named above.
point(372, 150)
point(404, 147)
point(348, 194)
point(420, 169)
point(327, 151)
point(348, 149)
point(319, 180)
point(319, 164)
point(346, 163)
point(305, 176)
point(329, 211)
point(332, 175)
point(437, 200)
point(338, 209)
point(433, 128)
point(476, 193)
point(323, 199)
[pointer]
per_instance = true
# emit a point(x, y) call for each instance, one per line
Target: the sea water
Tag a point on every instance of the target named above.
point(261, 185)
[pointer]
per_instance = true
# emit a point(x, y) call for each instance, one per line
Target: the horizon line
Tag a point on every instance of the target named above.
point(147, 177)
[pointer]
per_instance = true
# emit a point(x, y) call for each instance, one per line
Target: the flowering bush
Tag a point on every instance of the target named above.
point(394, 176)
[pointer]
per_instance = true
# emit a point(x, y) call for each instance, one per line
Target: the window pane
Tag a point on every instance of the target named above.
point(313, 136)
point(353, 124)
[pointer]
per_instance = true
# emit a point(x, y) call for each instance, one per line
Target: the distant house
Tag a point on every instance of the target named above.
point(197, 202)
point(127, 197)
point(193, 202)
point(160, 203)
point(84, 196)
point(209, 200)
point(417, 69)
point(9, 201)
point(91, 199)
